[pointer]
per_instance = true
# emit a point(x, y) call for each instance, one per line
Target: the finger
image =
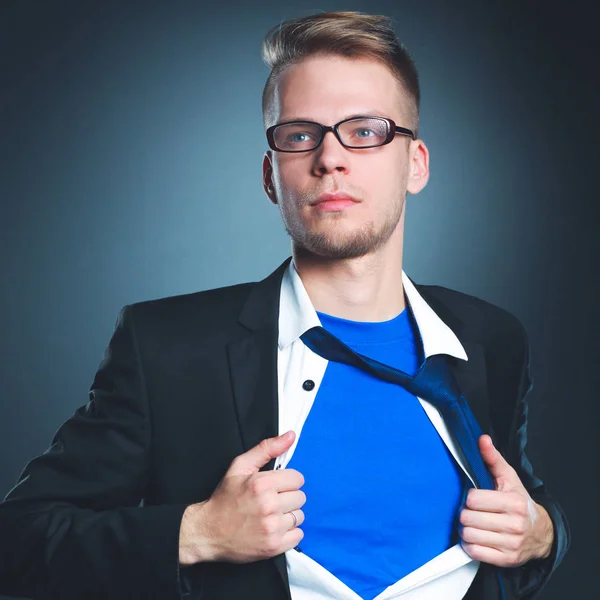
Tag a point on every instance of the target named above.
point(489, 555)
point(497, 522)
point(285, 480)
point(496, 463)
point(489, 500)
point(289, 520)
point(289, 501)
point(258, 456)
point(490, 539)
point(291, 538)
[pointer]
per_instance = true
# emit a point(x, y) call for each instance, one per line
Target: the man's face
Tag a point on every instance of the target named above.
point(328, 89)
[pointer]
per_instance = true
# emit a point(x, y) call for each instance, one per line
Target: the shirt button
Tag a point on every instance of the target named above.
point(308, 385)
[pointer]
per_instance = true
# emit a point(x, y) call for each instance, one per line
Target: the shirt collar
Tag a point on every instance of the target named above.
point(297, 315)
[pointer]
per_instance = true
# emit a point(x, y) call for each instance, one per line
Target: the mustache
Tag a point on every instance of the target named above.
point(310, 197)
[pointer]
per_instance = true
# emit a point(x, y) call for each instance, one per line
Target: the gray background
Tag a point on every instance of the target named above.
point(131, 144)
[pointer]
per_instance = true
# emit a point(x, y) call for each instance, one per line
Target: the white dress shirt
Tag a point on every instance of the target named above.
point(449, 574)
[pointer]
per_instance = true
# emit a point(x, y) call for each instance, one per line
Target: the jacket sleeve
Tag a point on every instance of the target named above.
point(528, 580)
point(72, 527)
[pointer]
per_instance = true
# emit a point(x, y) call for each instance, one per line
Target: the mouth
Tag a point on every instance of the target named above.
point(334, 201)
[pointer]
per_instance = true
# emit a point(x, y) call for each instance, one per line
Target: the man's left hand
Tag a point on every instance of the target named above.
point(504, 527)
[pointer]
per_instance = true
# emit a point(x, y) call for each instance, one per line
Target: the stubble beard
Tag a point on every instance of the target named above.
point(364, 240)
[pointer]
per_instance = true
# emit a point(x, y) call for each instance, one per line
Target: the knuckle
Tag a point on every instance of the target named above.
point(266, 507)
point(264, 446)
point(268, 528)
point(471, 498)
point(517, 526)
point(258, 485)
point(504, 560)
point(473, 551)
point(272, 545)
point(467, 534)
point(298, 478)
point(521, 506)
point(513, 544)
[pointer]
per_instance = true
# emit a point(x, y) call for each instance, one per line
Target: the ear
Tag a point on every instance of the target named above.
point(268, 176)
point(418, 167)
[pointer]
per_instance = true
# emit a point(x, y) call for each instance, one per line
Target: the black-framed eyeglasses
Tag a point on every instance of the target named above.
point(356, 132)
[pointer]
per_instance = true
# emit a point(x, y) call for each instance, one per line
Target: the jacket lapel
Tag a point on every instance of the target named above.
point(471, 378)
point(469, 374)
point(253, 370)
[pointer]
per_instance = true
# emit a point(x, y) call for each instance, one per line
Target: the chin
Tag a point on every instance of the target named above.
point(326, 247)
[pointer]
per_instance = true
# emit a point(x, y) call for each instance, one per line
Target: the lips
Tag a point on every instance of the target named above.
point(334, 197)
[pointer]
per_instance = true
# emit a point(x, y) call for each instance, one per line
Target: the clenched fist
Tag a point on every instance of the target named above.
point(250, 515)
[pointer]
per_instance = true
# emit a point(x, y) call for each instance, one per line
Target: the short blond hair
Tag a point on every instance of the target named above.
point(342, 33)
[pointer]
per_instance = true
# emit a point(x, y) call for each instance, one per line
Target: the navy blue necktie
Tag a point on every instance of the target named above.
point(433, 382)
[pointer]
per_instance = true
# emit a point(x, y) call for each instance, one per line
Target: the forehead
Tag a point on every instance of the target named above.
point(328, 89)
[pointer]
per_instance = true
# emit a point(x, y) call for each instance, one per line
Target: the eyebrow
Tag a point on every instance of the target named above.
point(367, 113)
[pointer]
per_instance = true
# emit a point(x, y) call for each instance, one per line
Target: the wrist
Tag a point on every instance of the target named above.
point(194, 543)
point(547, 532)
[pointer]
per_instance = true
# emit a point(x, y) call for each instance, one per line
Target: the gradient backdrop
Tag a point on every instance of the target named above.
point(131, 144)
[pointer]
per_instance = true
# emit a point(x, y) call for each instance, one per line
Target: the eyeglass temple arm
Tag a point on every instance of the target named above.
point(404, 131)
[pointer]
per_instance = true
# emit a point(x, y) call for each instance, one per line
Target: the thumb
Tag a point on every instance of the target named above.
point(504, 475)
point(257, 457)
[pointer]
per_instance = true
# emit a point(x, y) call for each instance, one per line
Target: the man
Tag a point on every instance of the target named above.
point(186, 408)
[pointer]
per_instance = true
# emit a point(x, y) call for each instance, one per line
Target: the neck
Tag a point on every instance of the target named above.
point(366, 288)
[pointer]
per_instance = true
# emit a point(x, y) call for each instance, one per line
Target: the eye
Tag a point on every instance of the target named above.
point(363, 132)
point(299, 137)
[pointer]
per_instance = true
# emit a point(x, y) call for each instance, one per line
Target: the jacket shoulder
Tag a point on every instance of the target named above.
point(230, 295)
point(212, 311)
point(477, 318)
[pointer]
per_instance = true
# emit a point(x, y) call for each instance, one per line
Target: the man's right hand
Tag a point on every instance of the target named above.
point(247, 518)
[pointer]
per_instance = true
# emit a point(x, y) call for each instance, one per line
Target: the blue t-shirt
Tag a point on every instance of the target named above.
point(382, 490)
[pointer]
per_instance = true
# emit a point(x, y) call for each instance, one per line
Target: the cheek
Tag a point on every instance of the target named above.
point(381, 176)
point(394, 176)
point(285, 177)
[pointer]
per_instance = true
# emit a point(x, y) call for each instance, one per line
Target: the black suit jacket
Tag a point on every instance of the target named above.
point(187, 384)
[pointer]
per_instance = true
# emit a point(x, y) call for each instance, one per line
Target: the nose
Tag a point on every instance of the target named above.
point(331, 156)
